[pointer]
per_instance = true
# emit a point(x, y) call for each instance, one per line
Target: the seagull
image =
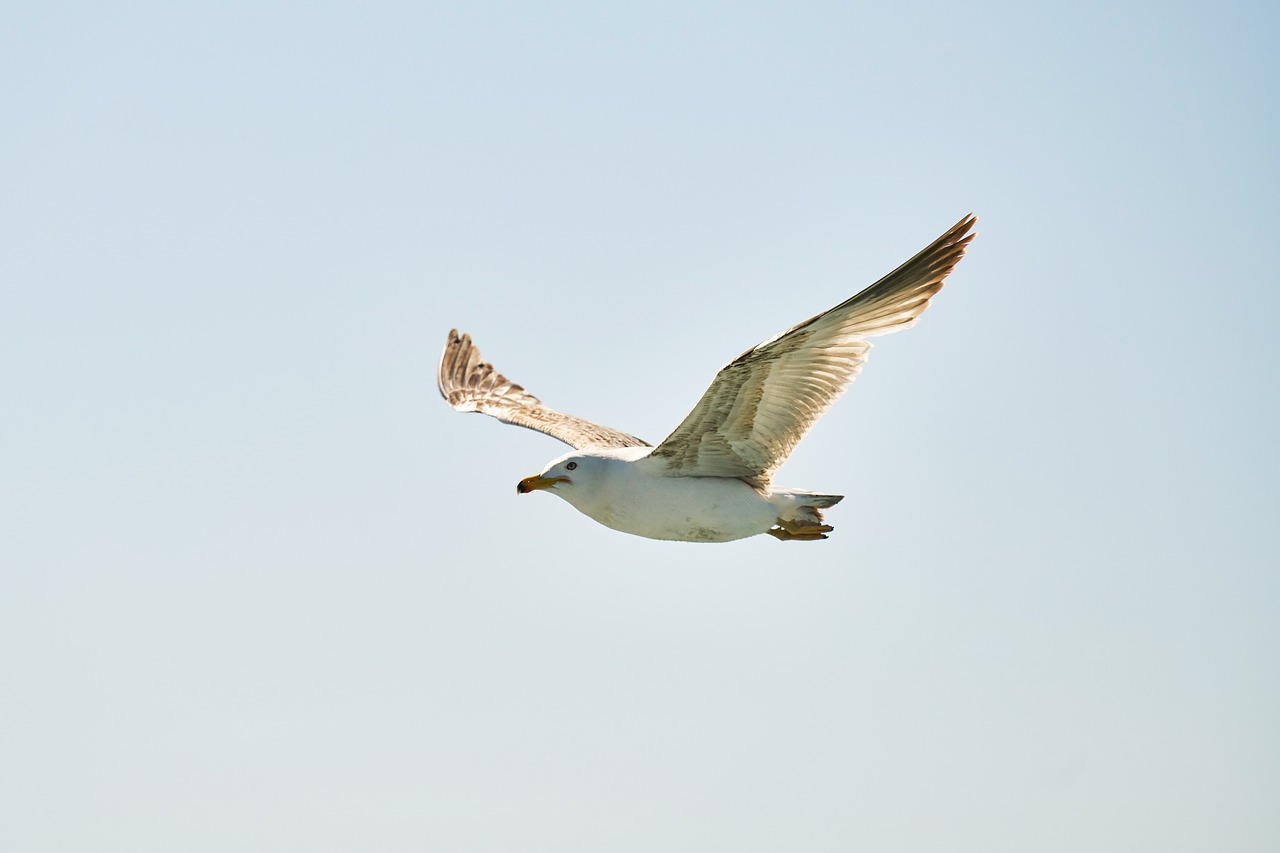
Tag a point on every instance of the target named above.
point(711, 479)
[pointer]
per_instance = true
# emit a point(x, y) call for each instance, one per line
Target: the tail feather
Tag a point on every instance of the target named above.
point(799, 505)
point(821, 501)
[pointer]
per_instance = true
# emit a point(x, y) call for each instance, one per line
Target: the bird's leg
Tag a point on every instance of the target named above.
point(788, 531)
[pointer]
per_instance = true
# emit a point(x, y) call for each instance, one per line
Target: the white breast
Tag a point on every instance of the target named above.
point(633, 497)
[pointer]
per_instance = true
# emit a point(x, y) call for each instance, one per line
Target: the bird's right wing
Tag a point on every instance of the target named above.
point(471, 385)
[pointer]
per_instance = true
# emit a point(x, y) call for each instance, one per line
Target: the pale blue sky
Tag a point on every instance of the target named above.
point(263, 591)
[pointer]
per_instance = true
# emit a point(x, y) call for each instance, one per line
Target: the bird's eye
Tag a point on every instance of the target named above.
point(569, 466)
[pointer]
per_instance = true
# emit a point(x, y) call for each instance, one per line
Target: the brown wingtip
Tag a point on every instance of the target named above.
point(463, 378)
point(945, 252)
point(964, 227)
point(453, 344)
point(458, 362)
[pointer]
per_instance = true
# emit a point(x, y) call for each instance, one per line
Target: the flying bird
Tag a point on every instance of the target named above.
point(711, 479)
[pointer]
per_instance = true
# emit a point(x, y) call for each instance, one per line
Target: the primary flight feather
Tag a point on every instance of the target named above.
point(710, 480)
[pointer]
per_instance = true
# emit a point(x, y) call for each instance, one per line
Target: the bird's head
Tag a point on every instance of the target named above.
point(570, 472)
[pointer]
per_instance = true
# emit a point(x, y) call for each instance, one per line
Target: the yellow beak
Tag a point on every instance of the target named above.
point(529, 484)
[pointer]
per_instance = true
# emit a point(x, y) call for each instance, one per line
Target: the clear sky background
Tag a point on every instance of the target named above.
point(263, 591)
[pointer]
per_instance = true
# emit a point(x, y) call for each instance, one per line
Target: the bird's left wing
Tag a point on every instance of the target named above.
point(471, 385)
point(763, 402)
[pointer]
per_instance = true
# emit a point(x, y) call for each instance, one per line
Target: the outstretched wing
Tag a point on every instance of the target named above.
point(763, 402)
point(471, 385)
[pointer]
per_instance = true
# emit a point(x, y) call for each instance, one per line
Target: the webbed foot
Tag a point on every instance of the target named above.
point(788, 531)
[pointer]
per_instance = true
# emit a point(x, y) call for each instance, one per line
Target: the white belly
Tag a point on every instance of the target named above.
point(687, 509)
